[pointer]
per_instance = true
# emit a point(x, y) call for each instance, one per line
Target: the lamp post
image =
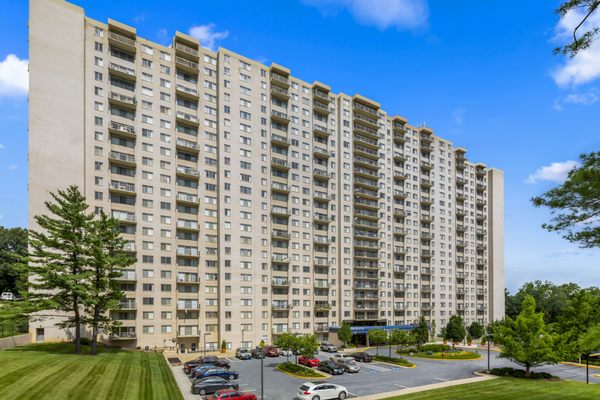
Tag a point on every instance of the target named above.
point(489, 339)
point(262, 378)
point(243, 346)
point(587, 367)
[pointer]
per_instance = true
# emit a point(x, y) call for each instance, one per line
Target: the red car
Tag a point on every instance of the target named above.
point(231, 394)
point(271, 351)
point(308, 361)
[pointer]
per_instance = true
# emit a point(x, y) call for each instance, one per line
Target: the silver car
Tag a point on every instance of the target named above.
point(328, 347)
point(346, 362)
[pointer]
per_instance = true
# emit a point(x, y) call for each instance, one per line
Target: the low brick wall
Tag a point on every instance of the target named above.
point(14, 341)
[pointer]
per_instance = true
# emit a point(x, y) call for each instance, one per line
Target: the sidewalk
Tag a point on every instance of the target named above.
point(379, 396)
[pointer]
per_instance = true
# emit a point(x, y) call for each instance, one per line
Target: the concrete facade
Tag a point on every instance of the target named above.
point(254, 202)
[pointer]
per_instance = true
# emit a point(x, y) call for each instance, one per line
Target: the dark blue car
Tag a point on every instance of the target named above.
point(220, 372)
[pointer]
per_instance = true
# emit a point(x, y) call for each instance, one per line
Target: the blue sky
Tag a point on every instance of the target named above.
point(481, 73)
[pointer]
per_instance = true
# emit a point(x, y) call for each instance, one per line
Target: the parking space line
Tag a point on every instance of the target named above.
point(440, 379)
point(401, 386)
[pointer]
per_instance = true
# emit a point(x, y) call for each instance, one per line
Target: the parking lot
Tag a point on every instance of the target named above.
point(375, 377)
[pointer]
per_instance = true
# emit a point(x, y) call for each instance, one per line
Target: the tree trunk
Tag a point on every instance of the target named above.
point(94, 342)
point(77, 327)
point(527, 372)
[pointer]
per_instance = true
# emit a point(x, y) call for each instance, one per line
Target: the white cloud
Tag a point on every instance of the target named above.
point(585, 66)
point(207, 36)
point(556, 172)
point(12, 167)
point(380, 13)
point(580, 98)
point(562, 253)
point(1, 146)
point(14, 78)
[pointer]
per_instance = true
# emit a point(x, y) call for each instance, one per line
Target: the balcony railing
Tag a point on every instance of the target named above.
point(121, 39)
point(186, 63)
point(117, 155)
point(122, 127)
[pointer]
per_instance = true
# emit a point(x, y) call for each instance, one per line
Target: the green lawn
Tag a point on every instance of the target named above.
point(510, 389)
point(52, 371)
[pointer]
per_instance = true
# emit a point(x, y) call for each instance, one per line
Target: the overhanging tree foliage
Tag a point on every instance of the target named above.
point(582, 38)
point(345, 333)
point(476, 330)
point(377, 337)
point(421, 332)
point(107, 262)
point(575, 205)
point(13, 246)
point(525, 340)
point(59, 258)
point(455, 330)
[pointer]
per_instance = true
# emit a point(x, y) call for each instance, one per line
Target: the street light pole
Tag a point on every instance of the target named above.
point(205, 333)
point(587, 368)
point(243, 346)
point(489, 336)
point(262, 378)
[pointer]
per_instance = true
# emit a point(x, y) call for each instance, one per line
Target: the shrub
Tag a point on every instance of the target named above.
point(434, 348)
point(298, 370)
point(519, 373)
point(393, 360)
point(407, 350)
point(84, 341)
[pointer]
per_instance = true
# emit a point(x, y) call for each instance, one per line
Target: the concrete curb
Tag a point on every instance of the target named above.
point(572, 364)
point(395, 365)
point(448, 359)
point(402, 392)
point(324, 374)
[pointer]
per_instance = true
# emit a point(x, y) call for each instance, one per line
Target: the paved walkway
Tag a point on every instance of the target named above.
point(417, 389)
point(183, 382)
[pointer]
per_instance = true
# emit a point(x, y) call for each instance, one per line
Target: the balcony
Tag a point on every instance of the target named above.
point(280, 140)
point(280, 80)
point(366, 193)
point(187, 118)
point(321, 218)
point(187, 145)
point(187, 171)
point(426, 165)
point(187, 251)
point(280, 282)
point(281, 305)
point(400, 232)
point(187, 198)
point(460, 228)
point(322, 240)
point(280, 235)
point(121, 41)
point(368, 265)
point(366, 244)
point(187, 92)
point(123, 335)
point(280, 117)
point(426, 200)
point(366, 172)
point(321, 131)
point(122, 158)
point(361, 223)
point(280, 258)
point(363, 130)
point(188, 278)
point(122, 72)
point(123, 216)
point(280, 187)
point(321, 284)
point(399, 137)
point(366, 152)
point(127, 305)
point(121, 129)
point(128, 276)
point(322, 153)
point(426, 183)
point(129, 247)
point(280, 93)
point(122, 187)
point(321, 196)
point(366, 142)
point(320, 108)
point(321, 262)
point(426, 147)
point(426, 217)
point(278, 163)
point(186, 51)
point(365, 203)
point(122, 100)
point(187, 225)
point(280, 211)
point(368, 183)
point(322, 174)
point(365, 110)
point(187, 305)
point(399, 175)
point(399, 213)
point(369, 122)
point(186, 65)
point(322, 306)
point(399, 157)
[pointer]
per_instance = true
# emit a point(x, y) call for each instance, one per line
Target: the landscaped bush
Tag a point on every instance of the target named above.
point(448, 355)
point(407, 350)
point(84, 341)
point(435, 348)
point(393, 360)
point(298, 370)
point(519, 373)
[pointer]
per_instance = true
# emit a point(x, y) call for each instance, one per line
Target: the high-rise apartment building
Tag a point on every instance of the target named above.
point(255, 203)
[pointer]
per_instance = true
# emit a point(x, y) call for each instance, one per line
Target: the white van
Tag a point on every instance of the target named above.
point(8, 296)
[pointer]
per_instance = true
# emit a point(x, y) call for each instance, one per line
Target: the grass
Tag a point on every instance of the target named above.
point(53, 371)
point(394, 360)
point(10, 329)
point(510, 389)
point(454, 355)
point(298, 371)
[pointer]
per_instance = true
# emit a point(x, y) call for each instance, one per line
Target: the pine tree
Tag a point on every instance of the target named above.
point(107, 262)
point(58, 258)
point(455, 330)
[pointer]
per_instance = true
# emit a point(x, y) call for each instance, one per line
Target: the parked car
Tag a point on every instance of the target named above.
point(195, 372)
point(211, 385)
point(362, 357)
point(243, 354)
point(257, 353)
point(346, 362)
point(206, 360)
point(320, 390)
point(216, 371)
point(330, 367)
point(328, 347)
point(232, 394)
point(285, 352)
point(271, 351)
point(7, 296)
point(308, 361)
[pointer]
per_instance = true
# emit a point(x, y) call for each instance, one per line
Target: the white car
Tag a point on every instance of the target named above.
point(320, 390)
point(328, 347)
point(7, 296)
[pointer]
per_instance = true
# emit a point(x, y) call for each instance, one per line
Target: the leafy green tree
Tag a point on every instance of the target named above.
point(476, 330)
point(584, 40)
point(421, 332)
point(576, 203)
point(401, 338)
point(377, 337)
point(550, 299)
point(590, 341)
point(526, 340)
point(308, 345)
point(107, 262)
point(286, 341)
point(58, 258)
point(345, 333)
point(13, 246)
point(455, 330)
